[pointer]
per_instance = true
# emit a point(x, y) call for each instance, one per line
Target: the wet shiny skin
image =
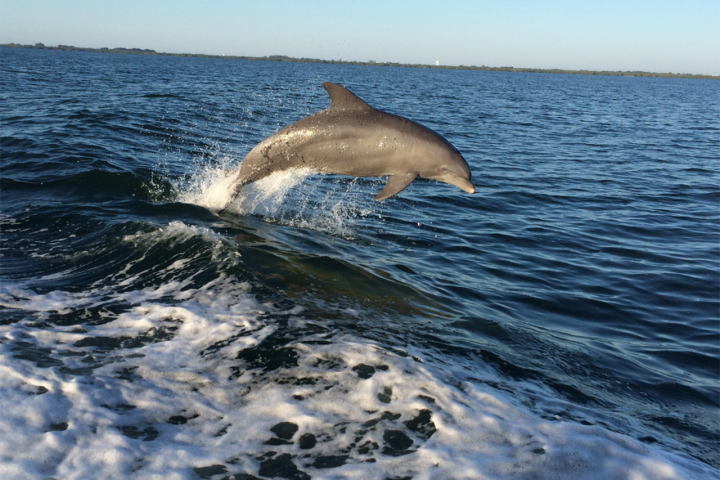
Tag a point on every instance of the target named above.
point(352, 138)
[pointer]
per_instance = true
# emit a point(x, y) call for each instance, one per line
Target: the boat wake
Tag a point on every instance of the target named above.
point(154, 371)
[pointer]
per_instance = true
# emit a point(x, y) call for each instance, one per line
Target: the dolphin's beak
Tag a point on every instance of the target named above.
point(460, 182)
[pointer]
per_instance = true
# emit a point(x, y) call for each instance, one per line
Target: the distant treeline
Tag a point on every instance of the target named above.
point(283, 58)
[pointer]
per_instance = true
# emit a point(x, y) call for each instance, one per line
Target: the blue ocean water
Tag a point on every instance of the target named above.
point(563, 322)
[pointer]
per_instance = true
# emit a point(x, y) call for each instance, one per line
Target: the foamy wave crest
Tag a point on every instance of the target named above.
point(175, 231)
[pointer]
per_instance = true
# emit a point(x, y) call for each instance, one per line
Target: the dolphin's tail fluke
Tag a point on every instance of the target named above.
point(236, 191)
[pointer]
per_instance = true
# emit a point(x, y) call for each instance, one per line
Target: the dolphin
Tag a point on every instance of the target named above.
point(352, 138)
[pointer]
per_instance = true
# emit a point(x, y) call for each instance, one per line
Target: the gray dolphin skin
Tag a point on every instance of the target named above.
point(352, 138)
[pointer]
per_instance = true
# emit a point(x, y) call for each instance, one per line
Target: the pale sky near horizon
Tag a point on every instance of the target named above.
point(647, 35)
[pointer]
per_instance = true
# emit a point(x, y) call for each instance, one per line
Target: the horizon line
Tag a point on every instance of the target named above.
point(284, 58)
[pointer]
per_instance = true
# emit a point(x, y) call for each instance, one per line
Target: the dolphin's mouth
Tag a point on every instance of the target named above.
point(460, 182)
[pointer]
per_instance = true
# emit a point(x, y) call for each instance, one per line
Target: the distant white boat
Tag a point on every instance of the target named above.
point(437, 62)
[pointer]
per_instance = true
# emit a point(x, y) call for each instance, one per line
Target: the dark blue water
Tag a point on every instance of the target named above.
point(579, 287)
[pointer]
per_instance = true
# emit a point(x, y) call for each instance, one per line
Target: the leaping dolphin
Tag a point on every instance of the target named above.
point(352, 138)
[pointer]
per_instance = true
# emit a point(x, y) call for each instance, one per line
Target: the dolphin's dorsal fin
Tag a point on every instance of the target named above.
point(395, 185)
point(343, 99)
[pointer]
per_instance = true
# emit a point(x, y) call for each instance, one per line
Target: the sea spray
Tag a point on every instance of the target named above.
point(285, 197)
point(209, 186)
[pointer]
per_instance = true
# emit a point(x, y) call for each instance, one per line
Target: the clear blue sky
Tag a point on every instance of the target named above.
point(650, 35)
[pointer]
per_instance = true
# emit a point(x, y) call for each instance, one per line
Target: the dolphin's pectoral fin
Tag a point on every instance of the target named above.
point(395, 185)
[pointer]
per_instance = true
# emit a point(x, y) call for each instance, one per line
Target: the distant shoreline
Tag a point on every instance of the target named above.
point(283, 58)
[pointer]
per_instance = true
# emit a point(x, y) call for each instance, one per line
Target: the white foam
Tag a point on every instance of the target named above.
point(82, 426)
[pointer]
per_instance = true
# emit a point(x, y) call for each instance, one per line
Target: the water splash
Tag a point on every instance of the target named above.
point(266, 197)
point(210, 186)
point(333, 208)
point(325, 204)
